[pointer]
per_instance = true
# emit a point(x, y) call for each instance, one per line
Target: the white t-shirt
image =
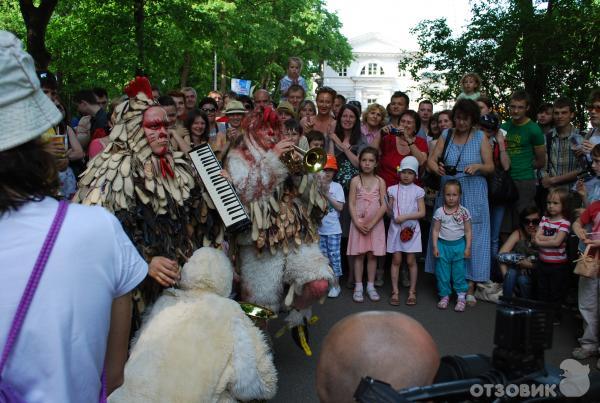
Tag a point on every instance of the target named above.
point(330, 225)
point(453, 225)
point(59, 354)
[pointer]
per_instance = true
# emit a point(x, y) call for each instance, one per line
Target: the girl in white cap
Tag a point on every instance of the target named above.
point(406, 206)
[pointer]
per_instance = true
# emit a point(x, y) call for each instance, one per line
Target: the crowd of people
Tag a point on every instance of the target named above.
point(398, 187)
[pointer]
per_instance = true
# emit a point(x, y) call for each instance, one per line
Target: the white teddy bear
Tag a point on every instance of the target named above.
point(197, 345)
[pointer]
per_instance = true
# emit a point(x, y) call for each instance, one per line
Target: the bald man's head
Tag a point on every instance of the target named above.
point(387, 346)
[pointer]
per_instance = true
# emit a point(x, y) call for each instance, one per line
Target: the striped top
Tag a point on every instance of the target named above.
point(551, 228)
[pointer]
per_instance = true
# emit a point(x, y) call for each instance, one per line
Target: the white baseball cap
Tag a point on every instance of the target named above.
point(410, 162)
point(25, 111)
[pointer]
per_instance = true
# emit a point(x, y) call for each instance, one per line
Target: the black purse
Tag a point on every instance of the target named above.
point(502, 189)
point(432, 180)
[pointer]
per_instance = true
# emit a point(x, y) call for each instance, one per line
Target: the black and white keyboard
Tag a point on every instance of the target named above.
point(222, 193)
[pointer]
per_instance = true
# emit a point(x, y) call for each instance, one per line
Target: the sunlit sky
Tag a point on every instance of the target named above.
point(394, 18)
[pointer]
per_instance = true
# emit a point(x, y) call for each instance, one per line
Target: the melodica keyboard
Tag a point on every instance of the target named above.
point(222, 193)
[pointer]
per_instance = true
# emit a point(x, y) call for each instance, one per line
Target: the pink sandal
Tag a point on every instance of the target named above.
point(443, 304)
point(460, 305)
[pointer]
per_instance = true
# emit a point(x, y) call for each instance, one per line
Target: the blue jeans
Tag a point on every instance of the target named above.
point(496, 216)
point(519, 278)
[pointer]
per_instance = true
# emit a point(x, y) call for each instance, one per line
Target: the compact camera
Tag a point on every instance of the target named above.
point(450, 170)
point(397, 132)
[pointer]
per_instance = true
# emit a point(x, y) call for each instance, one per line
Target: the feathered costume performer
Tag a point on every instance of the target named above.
point(282, 248)
point(152, 190)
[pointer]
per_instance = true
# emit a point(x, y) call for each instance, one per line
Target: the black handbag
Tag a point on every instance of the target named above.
point(502, 189)
point(432, 180)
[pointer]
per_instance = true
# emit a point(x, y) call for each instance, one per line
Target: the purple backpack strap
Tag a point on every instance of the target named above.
point(33, 282)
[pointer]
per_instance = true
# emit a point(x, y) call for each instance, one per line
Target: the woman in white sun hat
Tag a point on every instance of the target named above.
point(75, 327)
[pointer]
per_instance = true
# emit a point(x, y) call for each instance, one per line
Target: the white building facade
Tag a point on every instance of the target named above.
point(373, 76)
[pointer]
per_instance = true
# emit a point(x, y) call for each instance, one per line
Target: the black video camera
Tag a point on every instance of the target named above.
point(523, 331)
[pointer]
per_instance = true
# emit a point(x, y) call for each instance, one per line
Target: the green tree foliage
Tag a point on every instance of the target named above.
point(550, 48)
point(98, 42)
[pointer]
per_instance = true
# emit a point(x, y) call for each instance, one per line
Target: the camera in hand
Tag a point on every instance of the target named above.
point(397, 132)
point(523, 331)
point(450, 170)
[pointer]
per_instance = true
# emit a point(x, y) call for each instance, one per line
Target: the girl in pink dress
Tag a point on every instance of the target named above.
point(367, 232)
point(406, 207)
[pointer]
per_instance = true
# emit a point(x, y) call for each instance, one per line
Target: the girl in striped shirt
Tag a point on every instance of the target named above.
point(551, 238)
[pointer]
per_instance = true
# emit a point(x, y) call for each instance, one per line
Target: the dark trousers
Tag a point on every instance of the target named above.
point(551, 282)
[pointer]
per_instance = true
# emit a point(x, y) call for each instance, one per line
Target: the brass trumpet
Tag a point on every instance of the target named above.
point(256, 312)
point(313, 160)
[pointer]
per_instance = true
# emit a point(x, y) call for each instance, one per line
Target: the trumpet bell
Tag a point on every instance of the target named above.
point(315, 160)
point(257, 312)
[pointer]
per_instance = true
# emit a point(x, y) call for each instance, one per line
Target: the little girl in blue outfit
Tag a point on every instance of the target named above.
point(451, 241)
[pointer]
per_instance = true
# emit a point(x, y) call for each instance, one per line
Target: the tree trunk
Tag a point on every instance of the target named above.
point(185, 69)
point(223, 86)
point(36, 21)
point(138, 18)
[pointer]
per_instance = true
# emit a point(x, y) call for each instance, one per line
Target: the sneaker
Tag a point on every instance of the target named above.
point(581, 353)
point(443, 304)
point(471, 300)
point(405, 279)
point(460, 305)
point(373, 296)
point(334, 292)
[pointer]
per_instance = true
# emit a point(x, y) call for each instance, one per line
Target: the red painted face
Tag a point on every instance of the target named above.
point(155, 125)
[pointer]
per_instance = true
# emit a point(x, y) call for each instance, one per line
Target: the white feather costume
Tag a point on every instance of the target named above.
point(282, 247)
point(196, 345)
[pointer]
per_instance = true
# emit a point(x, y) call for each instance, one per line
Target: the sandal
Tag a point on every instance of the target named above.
point(471, 301)
point(373, 296)
point(443, 304)
point(395, 299)
point(358, 296)
point(412, 298)
point(460, 305)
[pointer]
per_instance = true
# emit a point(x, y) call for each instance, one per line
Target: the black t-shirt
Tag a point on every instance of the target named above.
point(99, 121)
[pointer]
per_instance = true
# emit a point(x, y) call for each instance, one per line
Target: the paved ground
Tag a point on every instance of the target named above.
point(455, 334)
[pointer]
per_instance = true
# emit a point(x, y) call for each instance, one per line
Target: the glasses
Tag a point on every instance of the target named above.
point(594, 108)
point(209, 110)
point(535, 221)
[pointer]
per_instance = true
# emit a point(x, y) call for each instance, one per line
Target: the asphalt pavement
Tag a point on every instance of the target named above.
point(470, 332)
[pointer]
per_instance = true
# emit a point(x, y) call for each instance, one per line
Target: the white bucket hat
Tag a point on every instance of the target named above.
point(411, 163)
point(25, 111)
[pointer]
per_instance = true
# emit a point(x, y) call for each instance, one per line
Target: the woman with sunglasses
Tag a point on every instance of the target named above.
point(216, 130)
point(518, 274)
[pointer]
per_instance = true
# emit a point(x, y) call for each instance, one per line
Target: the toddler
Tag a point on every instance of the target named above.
point(470, 84)
point(451, 241)
point(293, 77)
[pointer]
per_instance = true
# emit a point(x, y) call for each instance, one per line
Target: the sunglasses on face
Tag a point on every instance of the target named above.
point(208, 110)
point(594, 108)
point(535, 221)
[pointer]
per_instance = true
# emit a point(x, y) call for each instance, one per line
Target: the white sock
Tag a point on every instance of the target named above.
point(358, 286)
point(370, 286)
